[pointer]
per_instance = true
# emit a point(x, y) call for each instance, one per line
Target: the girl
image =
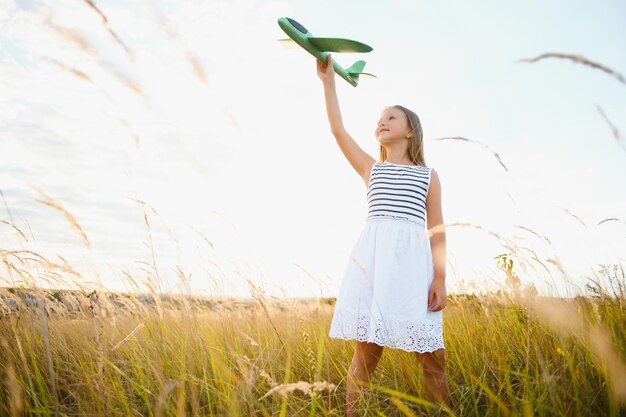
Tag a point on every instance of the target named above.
point(393, 291)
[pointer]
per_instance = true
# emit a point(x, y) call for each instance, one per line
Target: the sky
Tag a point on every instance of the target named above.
point(194, 152)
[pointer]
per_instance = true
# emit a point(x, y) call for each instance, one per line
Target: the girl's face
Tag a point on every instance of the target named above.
point(392, 126)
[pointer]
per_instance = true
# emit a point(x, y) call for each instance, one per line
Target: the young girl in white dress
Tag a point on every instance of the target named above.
point(393, 290)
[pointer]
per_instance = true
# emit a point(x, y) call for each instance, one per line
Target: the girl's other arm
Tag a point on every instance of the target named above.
point(434, 218)
point(360, 160)
point(437, 295)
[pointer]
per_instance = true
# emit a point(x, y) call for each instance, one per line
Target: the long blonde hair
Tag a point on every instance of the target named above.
point(416, 141)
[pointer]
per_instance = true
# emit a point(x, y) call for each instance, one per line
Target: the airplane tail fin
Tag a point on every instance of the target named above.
point(356, 70)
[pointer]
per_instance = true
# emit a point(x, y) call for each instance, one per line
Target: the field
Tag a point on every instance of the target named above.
point(94, 354)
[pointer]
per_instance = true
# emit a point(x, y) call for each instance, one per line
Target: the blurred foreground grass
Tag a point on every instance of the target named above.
point(77, 354)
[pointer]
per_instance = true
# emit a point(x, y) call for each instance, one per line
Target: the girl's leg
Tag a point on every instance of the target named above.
point(364, 362)
point(434, 376)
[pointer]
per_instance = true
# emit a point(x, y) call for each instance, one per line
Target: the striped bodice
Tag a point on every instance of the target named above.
point(398, 191)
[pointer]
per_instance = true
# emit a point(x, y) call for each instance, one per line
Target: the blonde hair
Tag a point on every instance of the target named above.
point(416, 141)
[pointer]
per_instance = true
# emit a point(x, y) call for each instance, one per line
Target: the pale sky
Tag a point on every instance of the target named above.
point(197, 110)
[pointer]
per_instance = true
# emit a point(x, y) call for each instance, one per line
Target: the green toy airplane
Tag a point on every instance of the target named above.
point(319, 48)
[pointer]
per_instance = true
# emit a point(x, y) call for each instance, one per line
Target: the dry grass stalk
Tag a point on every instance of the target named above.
point(620, 140)
point(15, 392)
point(6, 206)
point(12, 385)
point(10, 224)
point(495, 154)
point(578, 59)
point(248, 372)
point(189, 54)
point(308, 343)
point(24, 256)
point(249, 339)
point(123, 78)
point(508, 243)
point(46, 339)
point(85, 46)
point(610, 219)
point(575, 216)
point(105, 22)
point(47, 200)
point(528, 229)
point(131, 334)
point(311, 389)
point(76, 72)
point(256, 294)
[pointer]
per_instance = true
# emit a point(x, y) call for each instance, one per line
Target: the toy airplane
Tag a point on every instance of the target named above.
point(319, 48)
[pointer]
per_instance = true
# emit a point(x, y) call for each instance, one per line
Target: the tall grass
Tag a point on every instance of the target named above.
point(113, 355)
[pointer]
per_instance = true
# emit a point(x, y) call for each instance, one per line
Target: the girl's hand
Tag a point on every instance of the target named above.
point(437, 295)
point(326, 72)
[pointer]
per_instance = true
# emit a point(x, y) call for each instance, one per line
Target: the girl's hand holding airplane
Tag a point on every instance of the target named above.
point(326, 72)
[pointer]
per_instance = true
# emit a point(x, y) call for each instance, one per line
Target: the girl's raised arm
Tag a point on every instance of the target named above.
point(360, 160)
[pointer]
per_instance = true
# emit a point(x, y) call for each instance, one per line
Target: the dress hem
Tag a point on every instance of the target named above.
point(332, 336)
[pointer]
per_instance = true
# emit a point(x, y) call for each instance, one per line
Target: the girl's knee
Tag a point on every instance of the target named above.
point(369, 349)
point(437, 357)
point(368, 354)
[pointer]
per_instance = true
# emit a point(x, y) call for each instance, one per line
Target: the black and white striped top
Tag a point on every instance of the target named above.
point(398, 191)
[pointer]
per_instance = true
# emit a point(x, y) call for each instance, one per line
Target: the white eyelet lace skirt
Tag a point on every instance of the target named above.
point(384, 293)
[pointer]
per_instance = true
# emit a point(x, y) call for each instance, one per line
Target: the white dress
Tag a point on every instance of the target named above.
point(383, 296)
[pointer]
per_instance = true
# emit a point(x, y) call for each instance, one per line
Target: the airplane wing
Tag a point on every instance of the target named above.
point(288, 43)
point(339, 45)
